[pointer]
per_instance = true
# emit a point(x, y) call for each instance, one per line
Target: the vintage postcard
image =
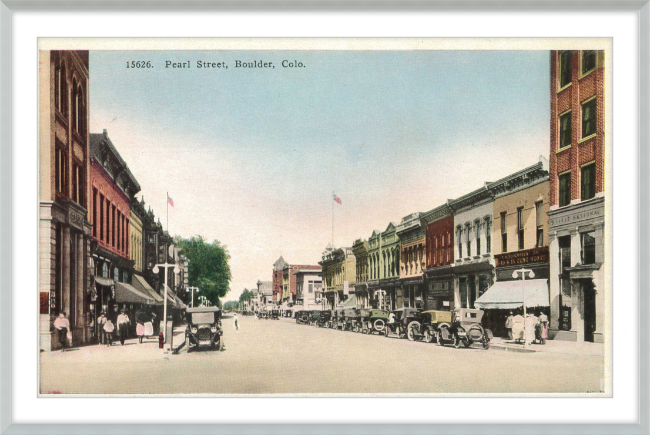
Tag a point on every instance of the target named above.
point(339, 217)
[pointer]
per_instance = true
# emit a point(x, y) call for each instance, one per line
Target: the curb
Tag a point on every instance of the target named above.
point(512, 349)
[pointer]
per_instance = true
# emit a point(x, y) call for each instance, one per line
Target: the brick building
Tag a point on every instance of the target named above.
point(278, 268)
point(439, 258)
point(64, 227)
point(577, 203)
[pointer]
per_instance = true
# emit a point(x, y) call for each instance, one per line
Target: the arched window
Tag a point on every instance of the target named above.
point(79, 111)
point(74, 105)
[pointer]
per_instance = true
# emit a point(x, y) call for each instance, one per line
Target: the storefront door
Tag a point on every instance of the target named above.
point(590, 309)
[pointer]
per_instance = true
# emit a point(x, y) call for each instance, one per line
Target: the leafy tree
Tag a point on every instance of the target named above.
point(208, 267)
point(230, 305)
point(246, 295)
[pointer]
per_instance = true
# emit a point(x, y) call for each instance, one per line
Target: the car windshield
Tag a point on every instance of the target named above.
point(203, 317)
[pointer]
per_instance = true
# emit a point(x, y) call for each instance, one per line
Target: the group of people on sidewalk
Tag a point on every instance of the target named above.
point(536, 327)
point(107, 327)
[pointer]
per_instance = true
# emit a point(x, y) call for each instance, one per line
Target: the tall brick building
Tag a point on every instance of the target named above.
point(577, 202)
point(64, 227)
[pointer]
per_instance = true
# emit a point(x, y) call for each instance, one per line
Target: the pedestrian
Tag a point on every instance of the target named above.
point(122, 325)
point(236, 322)
point(141, 317)
point(509, 324)
point(109, 328)
point(62, 325)
point(148, 325)
point(391, 322)
point(101, 321)
point(543, 322)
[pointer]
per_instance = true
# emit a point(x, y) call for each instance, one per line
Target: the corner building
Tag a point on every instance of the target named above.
point(577, 202)
point(64, 227)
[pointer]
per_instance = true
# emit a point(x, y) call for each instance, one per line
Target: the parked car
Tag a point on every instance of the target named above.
point(430, 320)
point(340, 319)
point(203, 328)
point(373, 320)
point(314, 316)
point(324, 318)
point(404, 317)
point(275, 314)
point(350, 318)
point(464, 329)
point(302, 317)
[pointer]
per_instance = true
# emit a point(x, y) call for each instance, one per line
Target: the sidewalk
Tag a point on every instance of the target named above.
point(551, 346)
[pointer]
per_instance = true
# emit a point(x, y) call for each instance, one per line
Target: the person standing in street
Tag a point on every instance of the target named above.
point(236, 322)
point(62, 325)
point(122, 325)
point(509, 324)
point(101, 321)
point(109, 328)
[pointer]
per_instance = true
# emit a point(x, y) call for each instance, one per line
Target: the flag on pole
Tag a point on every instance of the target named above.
point(169, 200)
point(337, 199)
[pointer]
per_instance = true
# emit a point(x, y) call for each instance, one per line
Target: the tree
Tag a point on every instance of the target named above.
point(208, 267)
point(230, 305)
point(246, 295)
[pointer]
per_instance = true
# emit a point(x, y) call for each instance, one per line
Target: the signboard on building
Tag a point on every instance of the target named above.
point(536, 255)
point(438, 288)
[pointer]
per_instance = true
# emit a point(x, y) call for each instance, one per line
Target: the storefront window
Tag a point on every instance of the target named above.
point(588, 247)
point(564, 243)
point(462, 284)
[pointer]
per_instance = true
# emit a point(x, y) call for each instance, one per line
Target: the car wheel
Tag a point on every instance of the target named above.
point(457, 341)
point(379, 325)
point(467, 343)
point(486, 344)
point(410, 330)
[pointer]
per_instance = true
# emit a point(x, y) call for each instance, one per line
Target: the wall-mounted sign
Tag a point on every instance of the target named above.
point(536, 255)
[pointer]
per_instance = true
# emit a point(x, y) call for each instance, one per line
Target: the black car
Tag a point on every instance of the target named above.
point(203, 328)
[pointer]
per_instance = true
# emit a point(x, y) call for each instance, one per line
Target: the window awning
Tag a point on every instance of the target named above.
point(127, 294)
point(173, 299)
point(509, 294)
point(349, 303)
point(104, 281)
point(143, 286)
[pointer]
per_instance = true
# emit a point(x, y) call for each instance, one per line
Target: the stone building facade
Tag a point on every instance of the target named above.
point(338, 271)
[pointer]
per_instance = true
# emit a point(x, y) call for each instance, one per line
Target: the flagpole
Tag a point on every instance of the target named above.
point(168, 212)
point(332, 219)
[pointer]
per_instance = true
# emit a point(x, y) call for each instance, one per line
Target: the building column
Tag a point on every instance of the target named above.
point(80, 287)
point(554, 280)
point(47, 277)
point(577, 310)
point(65, 271)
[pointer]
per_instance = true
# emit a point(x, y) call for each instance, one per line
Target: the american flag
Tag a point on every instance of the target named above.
point(169, 200)
point(337, 199)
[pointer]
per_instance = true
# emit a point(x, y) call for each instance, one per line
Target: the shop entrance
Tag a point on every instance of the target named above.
point(590, 309)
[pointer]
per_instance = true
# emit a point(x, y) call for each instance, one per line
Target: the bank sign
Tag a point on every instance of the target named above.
point(536, 255)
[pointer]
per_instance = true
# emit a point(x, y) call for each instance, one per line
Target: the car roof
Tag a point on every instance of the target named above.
point(202, 309)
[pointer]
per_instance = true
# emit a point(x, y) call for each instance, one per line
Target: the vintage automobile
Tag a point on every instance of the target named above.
point(340, 319)
point(403, 319)
point(324, 318)
point(426, 329)
point(350, 319)
point(203, 328)
point(464, 329)
point(275, 314)
point(373, 320)
point(302, 317)
point(333, 322)
point(313, 317)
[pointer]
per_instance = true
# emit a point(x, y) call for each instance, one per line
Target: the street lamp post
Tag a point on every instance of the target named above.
point(192, 289)
point(156, 268)
point(515, 275)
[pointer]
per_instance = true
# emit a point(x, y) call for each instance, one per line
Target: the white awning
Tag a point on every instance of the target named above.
point(510, 294)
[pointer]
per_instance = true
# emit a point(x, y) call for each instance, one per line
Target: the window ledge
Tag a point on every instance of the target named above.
point(585, 139)
point(559, 150)
point(582, 76)
point(476, 257)
point(486, 255)
point(563, 88)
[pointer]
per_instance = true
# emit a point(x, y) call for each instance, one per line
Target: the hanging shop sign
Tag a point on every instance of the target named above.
point(536, 255)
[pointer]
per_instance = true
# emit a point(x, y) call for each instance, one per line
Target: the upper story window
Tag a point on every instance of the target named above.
point(564, 189)
point(564, 243)
point(504, 233)
point(588, 253)
point(488, 235)
point(588, 181)
point(520, 227)
point(477, 226)
point(565, 129)
point(469, 241)
point(539, 219)
point(565, 68)
point(588, 61)
point(61, 169)
point(60, 89)
point(589, 117)
point(78, 183)
point(459, 233)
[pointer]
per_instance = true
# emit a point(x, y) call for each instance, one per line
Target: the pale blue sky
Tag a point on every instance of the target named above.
point(251, 156)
